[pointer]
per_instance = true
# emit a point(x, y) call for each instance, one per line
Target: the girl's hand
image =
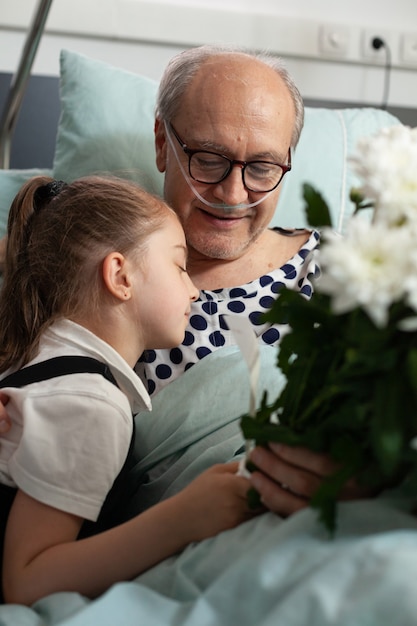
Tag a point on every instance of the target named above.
point(215, 501)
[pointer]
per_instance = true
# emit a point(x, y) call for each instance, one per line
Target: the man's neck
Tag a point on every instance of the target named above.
point(270, 252)
point(214, 274)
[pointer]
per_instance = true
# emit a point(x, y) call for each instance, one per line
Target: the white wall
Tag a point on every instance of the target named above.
point(141, 35)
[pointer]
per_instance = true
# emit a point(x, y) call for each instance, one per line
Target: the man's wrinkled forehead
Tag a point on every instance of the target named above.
point(237, 81)
point(216, 114)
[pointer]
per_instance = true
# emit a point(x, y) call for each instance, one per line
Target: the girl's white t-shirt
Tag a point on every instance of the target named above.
point(70, 435)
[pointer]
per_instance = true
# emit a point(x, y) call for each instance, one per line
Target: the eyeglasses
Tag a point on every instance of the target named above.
point(211, 168)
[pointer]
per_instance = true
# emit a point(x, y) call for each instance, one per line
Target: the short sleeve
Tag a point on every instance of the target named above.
point(74, 443)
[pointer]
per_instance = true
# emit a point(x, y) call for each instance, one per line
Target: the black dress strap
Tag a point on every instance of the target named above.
point(57, 366)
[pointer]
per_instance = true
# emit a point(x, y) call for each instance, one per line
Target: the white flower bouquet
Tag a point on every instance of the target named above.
point(351, 357)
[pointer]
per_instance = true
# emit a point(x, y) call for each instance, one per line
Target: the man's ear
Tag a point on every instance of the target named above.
point(160, 145)
point(116, 276)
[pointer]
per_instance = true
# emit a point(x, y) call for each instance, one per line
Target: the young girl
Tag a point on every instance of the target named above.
point(95, 268)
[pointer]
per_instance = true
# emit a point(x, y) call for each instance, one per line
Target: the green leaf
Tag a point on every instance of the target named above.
point(387, 434)
point(263, 433)
point(326, 496)
point(317, 210)
point(358, 199)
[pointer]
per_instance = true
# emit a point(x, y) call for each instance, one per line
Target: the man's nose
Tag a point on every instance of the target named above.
point(231, 190)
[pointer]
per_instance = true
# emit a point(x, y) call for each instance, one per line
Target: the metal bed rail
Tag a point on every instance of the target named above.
point(19, 81)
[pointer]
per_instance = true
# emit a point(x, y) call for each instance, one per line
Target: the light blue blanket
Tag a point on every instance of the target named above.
point(266, 572)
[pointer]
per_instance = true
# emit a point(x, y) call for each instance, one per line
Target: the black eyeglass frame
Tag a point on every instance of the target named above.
point(232, 162)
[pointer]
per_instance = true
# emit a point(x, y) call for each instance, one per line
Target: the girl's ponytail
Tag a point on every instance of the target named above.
point(22, 311)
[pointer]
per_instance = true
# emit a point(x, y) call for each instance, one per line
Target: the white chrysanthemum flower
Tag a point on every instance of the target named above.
point(366, 268)
point(386, 164)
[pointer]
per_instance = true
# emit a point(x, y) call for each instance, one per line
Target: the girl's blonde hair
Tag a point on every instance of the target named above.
point(58, 237)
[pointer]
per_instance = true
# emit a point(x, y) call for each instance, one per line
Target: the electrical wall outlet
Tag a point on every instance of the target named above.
point(334, 40)
point(408, 49)
point(369, 52)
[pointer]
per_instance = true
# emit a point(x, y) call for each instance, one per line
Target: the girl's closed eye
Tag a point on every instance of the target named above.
point(182, 261)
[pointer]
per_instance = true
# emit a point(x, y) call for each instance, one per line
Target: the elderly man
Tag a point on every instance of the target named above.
point(226, 122)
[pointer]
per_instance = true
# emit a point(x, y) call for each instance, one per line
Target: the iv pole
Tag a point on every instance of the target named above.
point(19, 81)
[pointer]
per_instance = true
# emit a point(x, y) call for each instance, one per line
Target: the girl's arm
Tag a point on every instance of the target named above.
point(42, 555)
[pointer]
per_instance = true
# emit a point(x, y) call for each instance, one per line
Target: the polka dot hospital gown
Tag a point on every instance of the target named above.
point(207, 329)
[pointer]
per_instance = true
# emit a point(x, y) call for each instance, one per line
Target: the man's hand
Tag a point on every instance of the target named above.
point(289, 476)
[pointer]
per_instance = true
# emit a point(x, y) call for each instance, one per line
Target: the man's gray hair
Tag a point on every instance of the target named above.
point(182, 68)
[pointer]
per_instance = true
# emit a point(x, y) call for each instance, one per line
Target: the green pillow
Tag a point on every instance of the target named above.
point(328, 138)
point(107, 122)
point(10, 183)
